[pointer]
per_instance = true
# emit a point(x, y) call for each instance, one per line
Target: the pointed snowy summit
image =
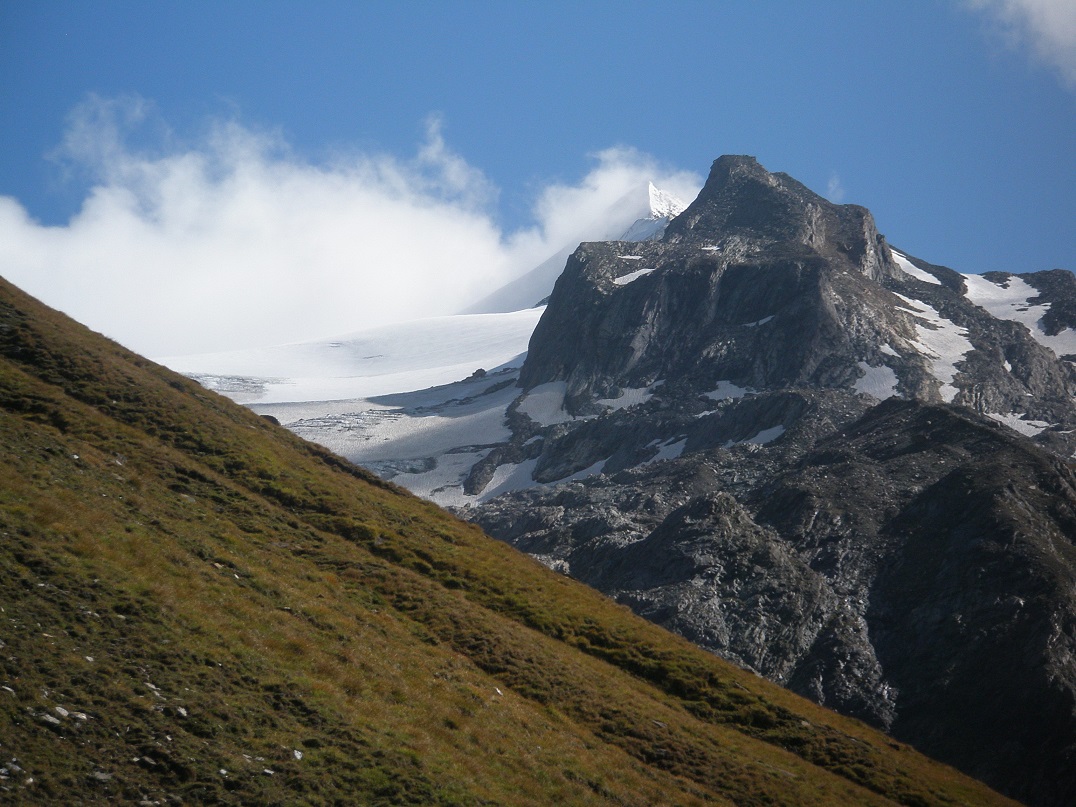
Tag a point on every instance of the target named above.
point(664, 205)
point(663, 208)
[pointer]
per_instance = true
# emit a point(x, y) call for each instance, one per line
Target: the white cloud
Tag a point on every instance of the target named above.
point(235, 241)
point(834, 189)
point(602, 205)
point(1047, 26)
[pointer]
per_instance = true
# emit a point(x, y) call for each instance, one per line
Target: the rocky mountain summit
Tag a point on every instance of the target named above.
point(839, 465)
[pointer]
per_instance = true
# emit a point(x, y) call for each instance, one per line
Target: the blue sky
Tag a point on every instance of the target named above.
point(133, 130)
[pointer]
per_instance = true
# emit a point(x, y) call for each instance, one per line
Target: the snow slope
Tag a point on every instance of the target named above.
point(394, 358)
point(941, 340)
point(404, 400)
point(1010, 300)
point(912, 270)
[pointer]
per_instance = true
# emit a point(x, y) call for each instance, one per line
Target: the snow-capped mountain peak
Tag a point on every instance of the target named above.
point(664, 205)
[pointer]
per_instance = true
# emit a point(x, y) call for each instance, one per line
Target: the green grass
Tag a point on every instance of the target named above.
point(200, 591)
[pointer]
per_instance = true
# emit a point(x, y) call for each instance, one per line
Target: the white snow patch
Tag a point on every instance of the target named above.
point(910, 268)
point(545, 404)
point(591, 470)
point(669, 450)
point(888, 351)
point(726, 390)
point(405, 427)
point(631, 257)
point(712, 249)
point(762, 438)
point(630, 396)
point(508, 478)
point(1016, 422)
point(758, 322)
point(1011, 302)
point(878, 382)
point(443, 484)
point(512, 477)
point(450, 427)
point(942, 341)
point(624, 280)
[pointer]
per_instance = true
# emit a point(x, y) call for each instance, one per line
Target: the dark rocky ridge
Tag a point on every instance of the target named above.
point(775, 307)
point(909, 562)
point(916, 571)
point(750, 207)
point(770, 248)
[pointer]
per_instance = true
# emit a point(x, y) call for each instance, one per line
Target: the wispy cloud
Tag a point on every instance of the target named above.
point(834, 189)
point(1048, 27)
point(235, 241)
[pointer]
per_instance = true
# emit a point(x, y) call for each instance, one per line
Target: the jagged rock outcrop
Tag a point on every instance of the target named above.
point(765, 284)
point(753, 209)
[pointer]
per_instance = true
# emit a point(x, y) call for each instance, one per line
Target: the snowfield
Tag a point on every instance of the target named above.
point(910, 268)
point(1011, 301)
point(394, 358)
point(406, 401)
point(427, 440)
point(878, 382)
point(941, 340)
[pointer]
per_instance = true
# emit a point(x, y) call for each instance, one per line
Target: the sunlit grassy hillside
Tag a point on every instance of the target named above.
point(198, 607)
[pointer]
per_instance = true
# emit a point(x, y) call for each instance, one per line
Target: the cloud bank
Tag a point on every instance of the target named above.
point(235, 241)
point(1048, 27)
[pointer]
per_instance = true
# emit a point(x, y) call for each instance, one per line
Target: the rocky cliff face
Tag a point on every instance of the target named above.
point(836, 464)
point(915, 569)
point(766, 285)
point(751, 208)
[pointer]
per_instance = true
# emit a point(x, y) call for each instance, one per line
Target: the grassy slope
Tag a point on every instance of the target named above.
point(197, 606)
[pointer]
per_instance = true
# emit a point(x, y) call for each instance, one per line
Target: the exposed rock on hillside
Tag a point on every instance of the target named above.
point(916, 571)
